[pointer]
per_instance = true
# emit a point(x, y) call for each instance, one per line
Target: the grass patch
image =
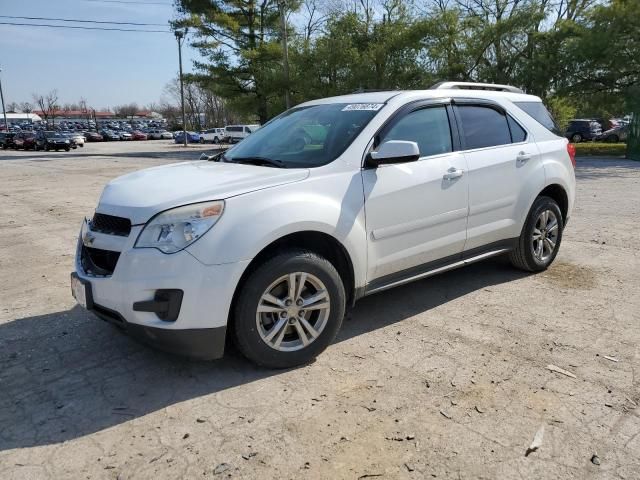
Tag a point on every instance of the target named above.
point(601, 149)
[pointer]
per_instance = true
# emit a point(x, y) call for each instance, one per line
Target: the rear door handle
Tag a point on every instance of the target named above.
point(523, 158)
point(452, 173)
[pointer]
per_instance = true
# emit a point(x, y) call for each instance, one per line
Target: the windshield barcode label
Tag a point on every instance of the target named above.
point(363, 106)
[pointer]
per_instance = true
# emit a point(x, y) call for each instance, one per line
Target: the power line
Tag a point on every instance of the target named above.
point(84, 21)
point(82, 27)
point(129, 2)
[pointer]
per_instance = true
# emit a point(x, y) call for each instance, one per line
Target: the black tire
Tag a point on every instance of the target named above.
point(613, 139)
point(245, 328)
point(216, 140)
point(522, 256)
point(66, 149)
point(202, 141)
point(576, 138)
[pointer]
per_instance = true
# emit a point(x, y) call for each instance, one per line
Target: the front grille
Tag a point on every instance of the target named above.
point(96, 261)
point(111, 225)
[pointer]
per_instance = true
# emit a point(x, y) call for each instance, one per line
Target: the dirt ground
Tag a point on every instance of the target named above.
point(443, 378)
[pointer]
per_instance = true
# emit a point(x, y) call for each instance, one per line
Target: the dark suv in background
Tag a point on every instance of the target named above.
point(6, 139)
point(50, 140)
point(582, 129)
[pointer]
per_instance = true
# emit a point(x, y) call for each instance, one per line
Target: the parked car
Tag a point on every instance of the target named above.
point(124, 135)
point(73, 138)
point(214, 135)
point(52, 140)
point(109, 135)
point(583, 129)
point(272, 240)
point(159, 134)
point(93, 137)
point(138, 135)
point(192, 137)
point(7, 139)
point(235, 133)
point(25, 140)
point(614, 135)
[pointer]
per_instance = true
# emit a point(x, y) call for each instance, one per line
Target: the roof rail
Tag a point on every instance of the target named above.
point(475, 86)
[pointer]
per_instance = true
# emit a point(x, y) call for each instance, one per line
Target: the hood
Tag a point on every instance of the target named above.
point(140, 195)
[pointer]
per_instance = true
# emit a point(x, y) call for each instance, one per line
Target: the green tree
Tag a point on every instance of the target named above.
point(239, 42)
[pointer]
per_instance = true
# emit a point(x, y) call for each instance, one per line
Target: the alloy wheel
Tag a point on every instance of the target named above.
point(293, 311)
point(545, 235)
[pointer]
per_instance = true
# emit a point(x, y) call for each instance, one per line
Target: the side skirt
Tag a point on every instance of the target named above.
point(439, 266)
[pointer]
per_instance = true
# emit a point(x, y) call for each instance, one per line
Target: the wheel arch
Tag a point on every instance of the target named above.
point(558, 193)
point(315, 241)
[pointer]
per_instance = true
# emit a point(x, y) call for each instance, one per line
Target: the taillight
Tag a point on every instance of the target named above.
point(571, 150)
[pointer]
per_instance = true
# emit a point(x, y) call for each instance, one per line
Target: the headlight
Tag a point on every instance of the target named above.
point(176, 229)
point(66, 141)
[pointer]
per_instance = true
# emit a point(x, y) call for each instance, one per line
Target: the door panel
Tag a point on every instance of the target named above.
point(414, 215)
point(416, 212)
point(501, 176)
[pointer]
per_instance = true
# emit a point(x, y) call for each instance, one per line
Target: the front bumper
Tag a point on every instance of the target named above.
point(197, 330)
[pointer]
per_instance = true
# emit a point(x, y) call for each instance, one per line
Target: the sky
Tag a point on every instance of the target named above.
point(107, 68)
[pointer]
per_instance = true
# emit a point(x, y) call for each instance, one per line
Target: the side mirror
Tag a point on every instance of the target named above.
point(393, 151)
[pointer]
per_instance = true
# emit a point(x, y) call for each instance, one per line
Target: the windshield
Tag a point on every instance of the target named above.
point(306, 136)
point(53, 135)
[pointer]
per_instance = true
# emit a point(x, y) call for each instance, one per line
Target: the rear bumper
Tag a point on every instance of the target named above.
point(197, 343)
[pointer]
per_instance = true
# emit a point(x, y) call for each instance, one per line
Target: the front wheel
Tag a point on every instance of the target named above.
point(202, 141)
point(541, 235)
point(289, 310)
point(576, 138)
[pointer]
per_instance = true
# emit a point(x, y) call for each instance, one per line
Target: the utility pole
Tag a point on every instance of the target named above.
point(4, 112)
point(285, 50)
point(180, 35)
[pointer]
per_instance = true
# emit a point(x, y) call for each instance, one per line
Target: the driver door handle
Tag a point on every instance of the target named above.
point(452, 173)
point(523, 158)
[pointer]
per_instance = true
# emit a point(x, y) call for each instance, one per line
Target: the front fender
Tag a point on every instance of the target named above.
point(332, 204)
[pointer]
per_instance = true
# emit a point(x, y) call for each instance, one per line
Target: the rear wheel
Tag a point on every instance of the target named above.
point(202, 140)
point(289, 310)
point(540, 238)
point(576, 138)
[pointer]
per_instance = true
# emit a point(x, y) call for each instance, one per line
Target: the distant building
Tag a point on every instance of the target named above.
point(78, 114)
point(21, 117)
point(103, 115)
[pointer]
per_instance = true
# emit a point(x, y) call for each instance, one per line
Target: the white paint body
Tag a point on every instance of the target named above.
point(388, 219)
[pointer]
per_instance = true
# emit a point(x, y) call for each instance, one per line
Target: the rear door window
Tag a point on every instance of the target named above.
point(483, 127)
point(518, 134)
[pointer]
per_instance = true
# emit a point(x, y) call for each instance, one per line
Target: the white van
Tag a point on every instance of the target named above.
point(235, 133)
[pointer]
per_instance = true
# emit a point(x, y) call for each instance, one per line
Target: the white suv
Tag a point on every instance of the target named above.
point(335, 199)
point(213, 135)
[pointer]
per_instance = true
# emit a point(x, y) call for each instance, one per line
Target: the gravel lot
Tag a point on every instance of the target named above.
point(443, 378)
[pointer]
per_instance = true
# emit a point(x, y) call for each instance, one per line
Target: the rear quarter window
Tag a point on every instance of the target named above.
point(540, 114)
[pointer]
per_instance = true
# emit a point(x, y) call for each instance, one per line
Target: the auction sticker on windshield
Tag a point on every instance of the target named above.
point(363, 106)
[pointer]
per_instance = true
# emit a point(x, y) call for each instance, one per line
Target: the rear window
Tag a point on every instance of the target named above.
point(539, 113)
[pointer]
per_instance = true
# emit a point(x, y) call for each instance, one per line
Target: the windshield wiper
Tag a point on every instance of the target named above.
point(257, 161)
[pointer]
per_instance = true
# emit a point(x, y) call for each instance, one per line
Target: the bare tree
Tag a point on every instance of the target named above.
point(26, 107)
point(13, 107)
point(48, 106)
point(126, 111)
